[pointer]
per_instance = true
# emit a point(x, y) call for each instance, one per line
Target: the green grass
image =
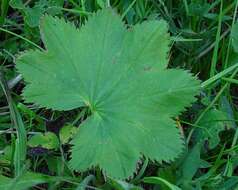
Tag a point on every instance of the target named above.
point(201, 42)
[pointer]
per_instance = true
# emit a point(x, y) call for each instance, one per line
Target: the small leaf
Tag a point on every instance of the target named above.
point(32, 15)
point(198, 8)
point(56, 165)
point(48, 140)
point(191, 163)
point(66, 133)
point(212, 123)
point(101, 3)
point(17, 4)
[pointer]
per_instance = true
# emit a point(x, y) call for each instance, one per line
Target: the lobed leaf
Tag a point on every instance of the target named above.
point(121, 75)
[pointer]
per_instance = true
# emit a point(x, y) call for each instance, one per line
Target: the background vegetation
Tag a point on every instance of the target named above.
point(204, 40)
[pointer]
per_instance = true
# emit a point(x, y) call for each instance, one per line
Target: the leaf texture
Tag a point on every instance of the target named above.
point(121, 75)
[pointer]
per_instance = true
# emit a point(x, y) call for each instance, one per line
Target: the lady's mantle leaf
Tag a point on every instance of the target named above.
point(121, 76)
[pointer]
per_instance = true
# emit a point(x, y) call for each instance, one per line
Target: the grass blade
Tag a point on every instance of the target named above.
point(20, 143)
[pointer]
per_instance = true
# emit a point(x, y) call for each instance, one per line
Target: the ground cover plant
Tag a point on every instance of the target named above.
point(118, 94)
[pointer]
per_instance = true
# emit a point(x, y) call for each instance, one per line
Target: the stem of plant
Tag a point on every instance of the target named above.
point(210, 106)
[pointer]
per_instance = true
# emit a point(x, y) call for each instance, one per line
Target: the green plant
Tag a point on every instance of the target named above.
point(33, 13)
point(121, 76)
point(203, 40)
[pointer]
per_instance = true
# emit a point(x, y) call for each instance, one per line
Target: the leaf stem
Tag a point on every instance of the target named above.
point(19, 36)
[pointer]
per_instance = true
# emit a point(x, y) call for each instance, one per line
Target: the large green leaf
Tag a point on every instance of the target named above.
point(121, 76)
